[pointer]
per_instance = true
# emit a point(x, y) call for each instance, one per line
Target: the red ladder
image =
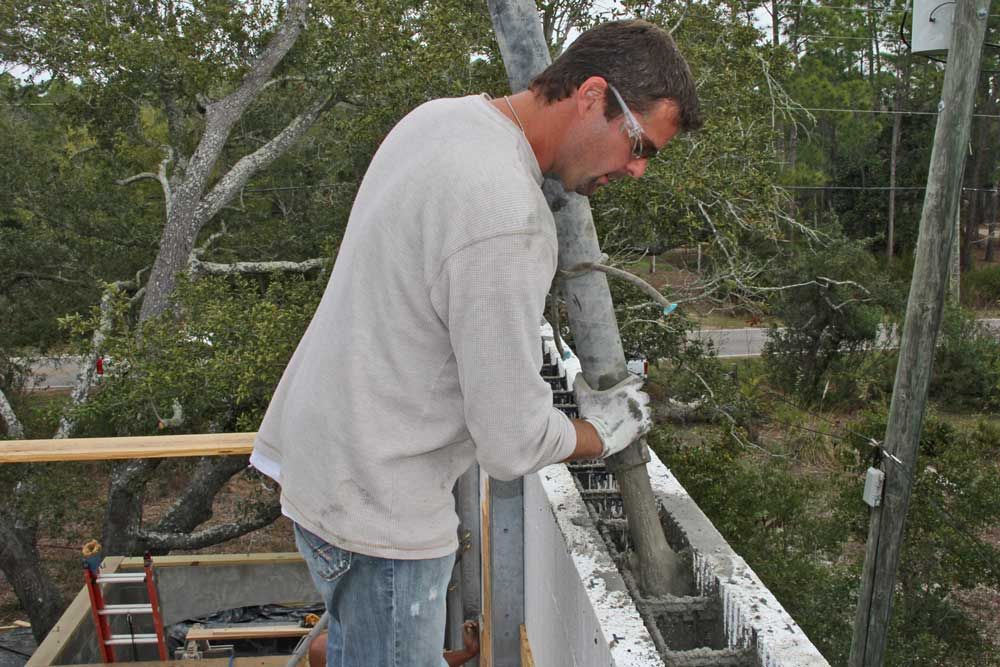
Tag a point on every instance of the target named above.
point(101, 611)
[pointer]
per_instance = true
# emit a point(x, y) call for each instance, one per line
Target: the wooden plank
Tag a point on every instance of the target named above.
point(252, 661)
point(486, 627)
point(51, 648)
point(135, 447)
point(526, 659)
point(214, 560)
point(246, 631)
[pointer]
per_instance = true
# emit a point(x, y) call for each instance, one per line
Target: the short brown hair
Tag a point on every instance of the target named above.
point(638, 58)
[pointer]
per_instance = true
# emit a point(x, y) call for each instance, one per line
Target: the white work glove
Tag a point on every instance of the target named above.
point(621, 414)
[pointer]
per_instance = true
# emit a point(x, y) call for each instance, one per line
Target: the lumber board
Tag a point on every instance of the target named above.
point(527, 660)
point(246, 631)
point(249, 661)
point(486, 626)
point(133, 447)
point(214, 560)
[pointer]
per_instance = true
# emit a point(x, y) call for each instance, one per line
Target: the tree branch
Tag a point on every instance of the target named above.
point(88, 370)
point(39, 277)
point(234, 180)
point(160, 176)
point(283, 79)
point(196, 267)
point(14, 427)
point(263, 515)
point(194, 506)
point(138, 177)
point(221, 115)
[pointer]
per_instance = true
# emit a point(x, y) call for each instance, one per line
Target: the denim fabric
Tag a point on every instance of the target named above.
point(383, 612)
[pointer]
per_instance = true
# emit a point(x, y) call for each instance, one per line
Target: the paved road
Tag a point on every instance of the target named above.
point(55, 372)
point(60, 372)
point(749, 342)
point(746, 342)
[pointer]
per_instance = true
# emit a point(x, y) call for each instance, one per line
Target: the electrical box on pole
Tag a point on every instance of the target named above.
point(932, 21)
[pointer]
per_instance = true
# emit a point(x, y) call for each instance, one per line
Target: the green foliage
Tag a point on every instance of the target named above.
point(831, 323)
point(981, 287)
point(218, 358)
point(715, 186)
point(966, 370)
point(801, 531)
point(64, 225)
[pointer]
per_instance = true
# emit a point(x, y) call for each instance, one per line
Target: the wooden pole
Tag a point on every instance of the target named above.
point(591, 311)
point(923, 319)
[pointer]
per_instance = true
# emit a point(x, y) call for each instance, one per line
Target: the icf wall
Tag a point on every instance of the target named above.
point(578, 612)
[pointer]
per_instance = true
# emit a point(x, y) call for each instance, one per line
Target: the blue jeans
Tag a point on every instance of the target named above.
point(383, 612)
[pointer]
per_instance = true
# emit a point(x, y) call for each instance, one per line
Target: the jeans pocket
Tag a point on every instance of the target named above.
point(327, 561)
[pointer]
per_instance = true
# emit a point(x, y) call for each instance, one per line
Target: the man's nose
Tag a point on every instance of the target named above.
point(636, 167)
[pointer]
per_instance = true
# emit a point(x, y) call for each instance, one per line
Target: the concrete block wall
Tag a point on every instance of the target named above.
point(579, 608)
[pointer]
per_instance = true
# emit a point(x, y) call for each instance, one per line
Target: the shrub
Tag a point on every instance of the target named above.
point(981, 288)
point(831, 323)
point(966, 369)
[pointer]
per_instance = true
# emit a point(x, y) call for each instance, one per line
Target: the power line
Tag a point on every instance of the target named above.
point(848, 37)
point(875, 187)
point(850, 8)
point(330, 186)
point(881, 111)
point(840, 9)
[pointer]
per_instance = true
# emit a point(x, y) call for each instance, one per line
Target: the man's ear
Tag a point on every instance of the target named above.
point(591, 92)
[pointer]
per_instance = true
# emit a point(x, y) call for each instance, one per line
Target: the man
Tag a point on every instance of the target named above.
point(424, 354)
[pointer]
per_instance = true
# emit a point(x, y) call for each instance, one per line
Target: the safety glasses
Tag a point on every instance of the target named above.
point(642, 146)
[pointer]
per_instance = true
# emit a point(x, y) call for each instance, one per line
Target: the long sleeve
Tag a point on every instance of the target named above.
point(491, 295)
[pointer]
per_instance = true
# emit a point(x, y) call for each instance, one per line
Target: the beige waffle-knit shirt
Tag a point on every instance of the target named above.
point(424, 353)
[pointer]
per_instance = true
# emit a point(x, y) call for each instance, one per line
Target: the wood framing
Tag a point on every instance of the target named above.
point(193, 560)
point(135, 447)
point(486, 626)
point(254, 661)
point(526, 659)
point(246, 631)
point(189, 586)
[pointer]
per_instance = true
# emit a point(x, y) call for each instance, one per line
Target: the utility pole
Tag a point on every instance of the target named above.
point(591, 311)
point(923, 320)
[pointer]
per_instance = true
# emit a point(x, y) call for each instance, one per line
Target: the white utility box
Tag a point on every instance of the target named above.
point(932, 21)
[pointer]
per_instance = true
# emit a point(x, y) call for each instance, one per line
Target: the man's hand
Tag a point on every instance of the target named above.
point(620, 415)
point(470, 641)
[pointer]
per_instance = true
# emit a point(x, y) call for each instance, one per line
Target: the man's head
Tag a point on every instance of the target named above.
point(623, 62)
